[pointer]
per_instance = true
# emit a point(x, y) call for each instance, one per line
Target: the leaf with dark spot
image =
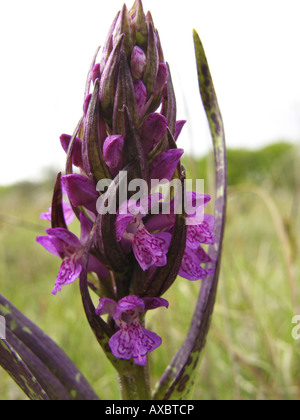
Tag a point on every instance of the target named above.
point(36, 363)
point(177, 381)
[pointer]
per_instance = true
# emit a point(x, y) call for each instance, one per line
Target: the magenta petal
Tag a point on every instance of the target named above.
point(81, 191)
point(178, 128)
point(68, 213)
point(77, 151)
point(162, 77)
point(153, 303)
point(134, 341)
point(87, 103)
point(65, 236)
point(153, 130)
point(69, 272)
point(138, 62)
point(140, 93)
point(202, 233)
point(121, 224)
point(121, 345)
point(96, 72)
point(150, 249)
point(165, 164)
point(147, 341)
point(86, 227)
point(129, 303)
point(106, 306)
point(194, 207)
point(50, 244)
point(190, 266)
point(113, 153)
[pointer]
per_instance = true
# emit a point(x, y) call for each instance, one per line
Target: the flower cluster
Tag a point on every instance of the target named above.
point(128, 125)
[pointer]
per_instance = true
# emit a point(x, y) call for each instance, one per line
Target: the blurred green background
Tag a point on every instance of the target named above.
point(250, 352)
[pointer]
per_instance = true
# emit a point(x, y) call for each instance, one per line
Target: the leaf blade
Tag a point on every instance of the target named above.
point(53, 370)
point(177, 381)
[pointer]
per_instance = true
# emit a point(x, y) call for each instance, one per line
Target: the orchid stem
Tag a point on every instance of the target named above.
point(136, 385)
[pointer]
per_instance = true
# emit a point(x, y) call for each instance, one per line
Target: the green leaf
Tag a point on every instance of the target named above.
point(36, 363)
point(17, 369)
point(177, 381)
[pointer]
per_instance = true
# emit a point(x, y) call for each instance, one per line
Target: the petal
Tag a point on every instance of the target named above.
point(178, 128)
point(81, 191)
point(138, 62)
point(165, 164)
point(121, 345)
point(162, 77)
point(129, 303)
point(121, 224)
point(77, 151)
point(150, 249)
point(144, 341)
point(86, 228)
point(134, 341)
point(203, 256)
point(201, 234)
point(68, 213)
point(65, 236)
point(87, 103)
point(190, 266)
point(195, 203)
point(69, 272)
point(106, 306)
point(51, 244)
point(153, 130)
point(113, 153)
point(160, 222)
point(140, 94)
point(46, 216)
point(153, 303)
point(96, 72)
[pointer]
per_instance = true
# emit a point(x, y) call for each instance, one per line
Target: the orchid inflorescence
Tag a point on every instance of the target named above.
point(140, 226)
point(129, 125)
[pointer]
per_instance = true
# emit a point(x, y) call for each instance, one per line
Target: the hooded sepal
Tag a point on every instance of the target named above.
point(124, 96)
point(92, 155)
point(109, 80)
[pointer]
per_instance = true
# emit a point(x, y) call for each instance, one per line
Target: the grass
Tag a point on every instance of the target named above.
point(250, 352)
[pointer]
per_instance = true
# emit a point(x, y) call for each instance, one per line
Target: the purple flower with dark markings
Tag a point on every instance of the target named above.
point(64, 244)
point(131, 340)
point(149, 249)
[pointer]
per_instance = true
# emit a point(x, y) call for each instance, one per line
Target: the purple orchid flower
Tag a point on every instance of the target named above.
point(67, 210)
point(149, 249)
point(132, 340)
point(64, 244)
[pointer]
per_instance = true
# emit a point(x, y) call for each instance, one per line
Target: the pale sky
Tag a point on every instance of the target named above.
point(46, 48)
